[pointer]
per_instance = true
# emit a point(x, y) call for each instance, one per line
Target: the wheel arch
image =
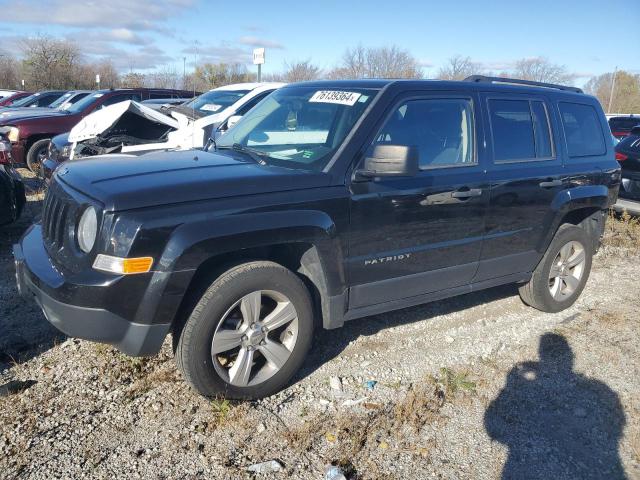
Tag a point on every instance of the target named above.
point(312, 250)
point(583, 206)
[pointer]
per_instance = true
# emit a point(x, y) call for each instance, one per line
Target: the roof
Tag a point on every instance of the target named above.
point(420, 84)
point(249, 86)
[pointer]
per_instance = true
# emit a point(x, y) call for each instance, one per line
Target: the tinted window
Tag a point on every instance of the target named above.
point(520, 130)
point(46, 100)
point(442, 129)
point(160, 95)
point(541, 130)
point(582, 130)
point(121, 98)
point(623, 123)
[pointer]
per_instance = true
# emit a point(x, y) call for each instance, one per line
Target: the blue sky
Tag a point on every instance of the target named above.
point(587, 36)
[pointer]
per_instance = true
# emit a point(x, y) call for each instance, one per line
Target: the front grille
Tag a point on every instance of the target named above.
point(58, 209)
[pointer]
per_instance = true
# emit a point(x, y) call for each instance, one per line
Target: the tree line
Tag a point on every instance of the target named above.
point(51, 63)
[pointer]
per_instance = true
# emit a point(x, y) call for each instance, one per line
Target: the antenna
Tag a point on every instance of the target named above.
point(193, 105)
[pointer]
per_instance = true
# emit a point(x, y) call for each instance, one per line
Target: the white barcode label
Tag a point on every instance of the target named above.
point(334, 96)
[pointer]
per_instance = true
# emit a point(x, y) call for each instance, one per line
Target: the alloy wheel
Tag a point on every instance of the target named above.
point(567, 270)
point(255, 338)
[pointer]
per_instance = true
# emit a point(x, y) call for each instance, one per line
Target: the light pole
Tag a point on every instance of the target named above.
point(613, 85)
point(184, 72)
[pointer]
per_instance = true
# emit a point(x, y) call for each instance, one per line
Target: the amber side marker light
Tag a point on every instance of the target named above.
point(125, 266)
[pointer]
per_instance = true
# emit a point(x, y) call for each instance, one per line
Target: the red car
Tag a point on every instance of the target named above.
point(10, 99)
point(30, 133)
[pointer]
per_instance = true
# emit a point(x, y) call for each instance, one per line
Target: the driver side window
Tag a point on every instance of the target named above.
point(441, 129)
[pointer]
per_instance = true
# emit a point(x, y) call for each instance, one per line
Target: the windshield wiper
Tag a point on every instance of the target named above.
point(256, 155)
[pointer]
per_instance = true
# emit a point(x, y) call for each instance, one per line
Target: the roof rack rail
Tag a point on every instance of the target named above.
point(517, 81)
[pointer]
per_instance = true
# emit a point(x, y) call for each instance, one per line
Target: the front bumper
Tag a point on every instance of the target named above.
point(35, 273)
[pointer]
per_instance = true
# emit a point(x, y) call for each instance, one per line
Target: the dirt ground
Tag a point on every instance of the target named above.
point(475, 387)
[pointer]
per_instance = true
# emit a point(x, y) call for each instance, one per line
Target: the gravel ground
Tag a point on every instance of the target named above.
point(479, 386)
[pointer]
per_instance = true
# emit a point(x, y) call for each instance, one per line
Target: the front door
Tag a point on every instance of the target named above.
point(417, 235)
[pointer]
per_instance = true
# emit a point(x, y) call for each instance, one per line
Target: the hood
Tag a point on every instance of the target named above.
point(29, 113)
point(102, 120)
point(122, 182)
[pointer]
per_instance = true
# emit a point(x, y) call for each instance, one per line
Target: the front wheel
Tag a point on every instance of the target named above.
point(249, 333)
point(36, 156)
point(562, 273)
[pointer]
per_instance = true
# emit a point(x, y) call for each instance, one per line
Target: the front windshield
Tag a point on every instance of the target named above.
point(84, 103)
point(299, 127)
point(215, 100)
point(60, 101)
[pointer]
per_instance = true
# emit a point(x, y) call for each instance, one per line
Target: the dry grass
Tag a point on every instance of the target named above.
point(622, 232)
point(355, 438)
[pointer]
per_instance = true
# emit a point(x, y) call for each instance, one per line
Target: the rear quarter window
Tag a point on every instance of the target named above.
point(582, 130)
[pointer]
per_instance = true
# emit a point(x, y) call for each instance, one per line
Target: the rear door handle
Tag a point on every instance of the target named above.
point(471, 192)
point(551, 183)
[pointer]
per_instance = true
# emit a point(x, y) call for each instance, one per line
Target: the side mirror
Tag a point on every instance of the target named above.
point(390, 161)
point(233, 120)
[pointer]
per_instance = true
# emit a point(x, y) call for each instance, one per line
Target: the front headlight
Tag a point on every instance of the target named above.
point(13, 134)
point(87, 230)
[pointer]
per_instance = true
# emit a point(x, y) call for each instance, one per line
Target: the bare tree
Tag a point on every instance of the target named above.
point(626, 92)
point(540, 69)
point(300, 71)
point(459, 68)
point(166, 77)
point(212, 75)
point(50, 62)
point(9, 72)
point(132, 80)
point(381, 62)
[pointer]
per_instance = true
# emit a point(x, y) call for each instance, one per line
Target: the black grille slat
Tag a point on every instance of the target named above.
point(58, 209)
point(60, 223)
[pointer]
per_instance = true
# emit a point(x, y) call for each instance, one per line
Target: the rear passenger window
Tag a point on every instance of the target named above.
point(442, 129)
point(520, 130)
point(582, 130)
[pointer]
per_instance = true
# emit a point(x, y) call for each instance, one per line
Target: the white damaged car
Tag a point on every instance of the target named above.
point(131, 127)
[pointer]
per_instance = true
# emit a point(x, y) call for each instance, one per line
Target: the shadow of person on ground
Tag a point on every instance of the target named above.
point(556, 423)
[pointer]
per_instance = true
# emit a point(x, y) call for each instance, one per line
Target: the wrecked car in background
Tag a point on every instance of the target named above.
point(31, 131)
point(133, 127)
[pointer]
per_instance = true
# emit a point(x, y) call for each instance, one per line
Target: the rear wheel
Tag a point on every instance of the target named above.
point(248, 334)
point(36, 156)
point(562, 273)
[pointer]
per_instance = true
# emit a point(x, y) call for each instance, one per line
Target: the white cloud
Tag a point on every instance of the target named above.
point(135, 15)
point(259, 42)
point(222, 53)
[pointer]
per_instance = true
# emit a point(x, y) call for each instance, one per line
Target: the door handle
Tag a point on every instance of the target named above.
point(467, 193)
point(551, 183)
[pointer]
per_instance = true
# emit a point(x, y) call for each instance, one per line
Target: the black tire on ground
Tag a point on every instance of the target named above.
point(34, 156)
point(193, 345)
point(536, 292)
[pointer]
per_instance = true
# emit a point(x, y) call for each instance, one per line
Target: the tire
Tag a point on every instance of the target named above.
point(222, 318)
point(560, 292)
point(36, 154)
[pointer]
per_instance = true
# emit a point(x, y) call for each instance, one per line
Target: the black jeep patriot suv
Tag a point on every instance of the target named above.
point(329, 201)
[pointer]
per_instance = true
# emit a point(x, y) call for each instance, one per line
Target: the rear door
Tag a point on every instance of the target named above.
point(526, 174)
point(417, 235)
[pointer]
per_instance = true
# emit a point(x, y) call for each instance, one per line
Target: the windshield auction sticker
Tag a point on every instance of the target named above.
point(335, 96)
